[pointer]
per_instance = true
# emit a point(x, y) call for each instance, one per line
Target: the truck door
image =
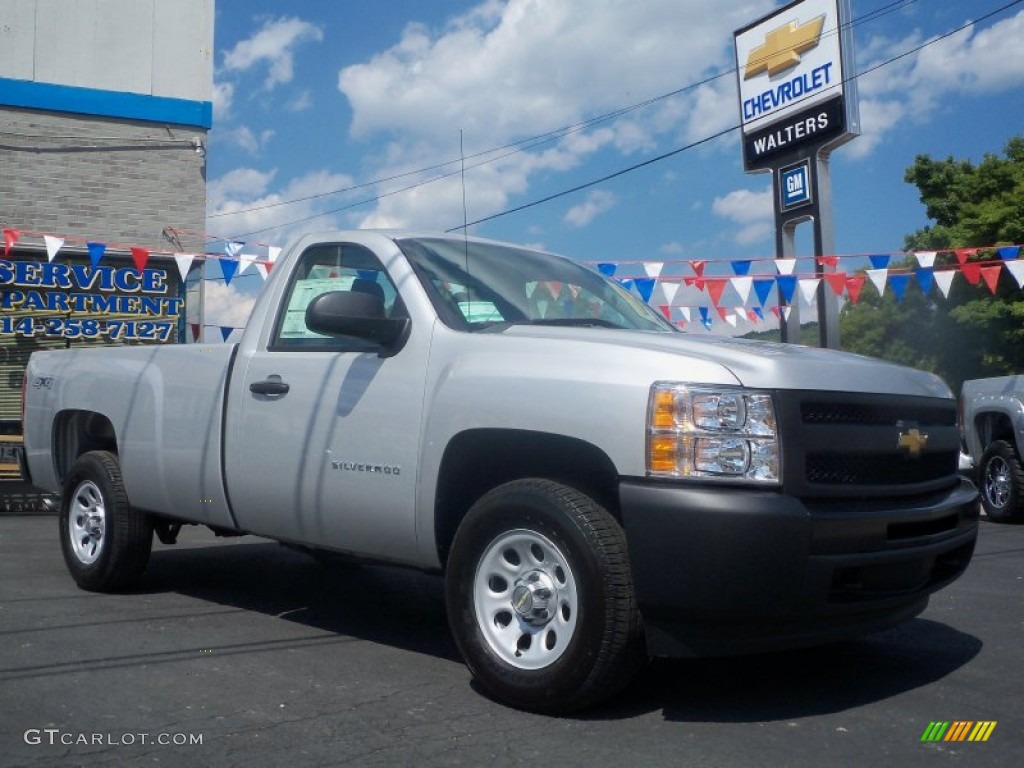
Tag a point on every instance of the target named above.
point(323, 433)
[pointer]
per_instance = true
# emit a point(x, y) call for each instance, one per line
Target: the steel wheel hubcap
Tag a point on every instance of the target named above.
point(997, 483)
point(87, 520)
point(526, 599)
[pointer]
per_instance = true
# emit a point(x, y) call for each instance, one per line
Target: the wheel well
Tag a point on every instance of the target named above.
point(478, 460)
point(993, 426)
point(78, 432)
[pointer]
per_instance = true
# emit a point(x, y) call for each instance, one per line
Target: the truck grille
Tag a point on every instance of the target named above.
point(873, 445)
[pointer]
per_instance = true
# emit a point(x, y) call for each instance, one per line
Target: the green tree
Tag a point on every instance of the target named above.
point(972, 333)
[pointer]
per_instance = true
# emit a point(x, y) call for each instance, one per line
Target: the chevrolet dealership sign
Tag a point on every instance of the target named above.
point(792, 69)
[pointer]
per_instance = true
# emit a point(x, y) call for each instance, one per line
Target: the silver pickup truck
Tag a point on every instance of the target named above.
point(993, 425)
point(595, 486)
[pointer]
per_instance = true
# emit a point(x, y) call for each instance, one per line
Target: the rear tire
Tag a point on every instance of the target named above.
point(106, 543)
point(1001, 479)
point(540, 598)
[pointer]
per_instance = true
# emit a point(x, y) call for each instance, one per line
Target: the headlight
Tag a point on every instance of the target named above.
point(712, 432)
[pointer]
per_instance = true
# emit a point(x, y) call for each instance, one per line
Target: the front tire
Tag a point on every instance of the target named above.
point(106, 543)
point(540, 598)
point(1001, 478)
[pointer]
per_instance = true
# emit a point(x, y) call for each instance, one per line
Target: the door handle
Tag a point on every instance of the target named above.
point(273, 386)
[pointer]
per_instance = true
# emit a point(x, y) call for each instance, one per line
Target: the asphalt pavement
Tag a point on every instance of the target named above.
point(242, 652)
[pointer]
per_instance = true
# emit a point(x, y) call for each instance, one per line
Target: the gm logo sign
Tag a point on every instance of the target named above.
point(795, 185)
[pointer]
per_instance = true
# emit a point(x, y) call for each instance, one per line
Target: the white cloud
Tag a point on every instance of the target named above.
point(223, 97)
point(511, 70)
point(274, 45)
point(915, 89)
point(753, 212)
point(240, 203)
point(597, 202)
point(226, 305)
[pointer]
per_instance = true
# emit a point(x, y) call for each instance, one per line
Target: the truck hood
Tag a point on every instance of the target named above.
point(759, 364)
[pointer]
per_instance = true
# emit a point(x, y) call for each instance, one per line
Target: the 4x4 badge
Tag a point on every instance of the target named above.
point(914, 441)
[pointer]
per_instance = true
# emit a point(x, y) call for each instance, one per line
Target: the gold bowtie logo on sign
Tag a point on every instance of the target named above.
point(783, 46)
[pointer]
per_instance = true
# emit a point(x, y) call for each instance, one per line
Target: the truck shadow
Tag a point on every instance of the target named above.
point(405, 609)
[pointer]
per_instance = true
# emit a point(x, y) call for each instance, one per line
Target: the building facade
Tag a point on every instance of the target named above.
point(105, 106)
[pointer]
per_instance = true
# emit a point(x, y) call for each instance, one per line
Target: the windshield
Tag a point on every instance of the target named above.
point(488, 286)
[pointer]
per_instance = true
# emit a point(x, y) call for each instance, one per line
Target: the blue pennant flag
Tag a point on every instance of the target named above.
point(705, 319)
point(96, 251)
point(225, 331)
point(898, 283)
point(763, 288)
point(645, 286)
point(367, 274)
point(880, 261)
point(1009, 252)
point(741, 267)
point(607, 268)
point(787, 285)
point(925, 278)
point(227, 268)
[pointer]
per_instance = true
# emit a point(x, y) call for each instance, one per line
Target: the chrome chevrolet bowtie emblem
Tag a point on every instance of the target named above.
point(913, 441)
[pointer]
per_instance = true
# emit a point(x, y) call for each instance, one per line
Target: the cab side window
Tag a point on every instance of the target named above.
point(325, 268)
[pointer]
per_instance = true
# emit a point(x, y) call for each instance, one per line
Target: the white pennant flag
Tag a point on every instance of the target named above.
point(808, 287)
point(786, 310)
point(925, 258)
point(184, 261)
point(730, 318)
point(670, 289)
point(686, 313)
point(785, 266)
point(53, 244)
point(944, 279)
point(742, 286)
point(878, 277)
point(245, 260)
point(1016, 268)
point(653, 268)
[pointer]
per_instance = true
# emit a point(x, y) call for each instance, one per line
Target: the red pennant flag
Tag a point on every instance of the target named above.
point(723, 312)
point(141, 257)
point(962, 254)
point(777, 312)
point(837, 280)
point(10, 238)
point(554, 288)
point(972, 272)
point(666, 310)
point(195, 331)
point(752, 316)
point(828, 261)
point(696, 282)
point(991, 275)
point(698, 268)
point(716, 287)
point(853, 286)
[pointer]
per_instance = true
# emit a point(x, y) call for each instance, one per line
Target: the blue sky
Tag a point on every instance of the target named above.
point(324, 96)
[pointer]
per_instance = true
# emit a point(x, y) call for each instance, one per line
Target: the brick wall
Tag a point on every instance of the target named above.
point(101, 179)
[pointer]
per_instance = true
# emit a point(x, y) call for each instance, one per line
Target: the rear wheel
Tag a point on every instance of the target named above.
point(1002, 482)
point(106, 543)
point(540, 598)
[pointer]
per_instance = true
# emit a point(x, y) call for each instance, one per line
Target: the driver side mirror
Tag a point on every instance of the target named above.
point(355, 314)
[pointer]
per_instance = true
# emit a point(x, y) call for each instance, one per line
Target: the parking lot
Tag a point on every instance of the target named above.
point(242, 652)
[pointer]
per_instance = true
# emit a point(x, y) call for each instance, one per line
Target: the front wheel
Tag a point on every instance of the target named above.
point(1002, 482)
point(106, 543)
point(540, 598)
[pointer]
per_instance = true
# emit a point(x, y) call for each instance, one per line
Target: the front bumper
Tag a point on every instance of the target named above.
point(721, 571)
